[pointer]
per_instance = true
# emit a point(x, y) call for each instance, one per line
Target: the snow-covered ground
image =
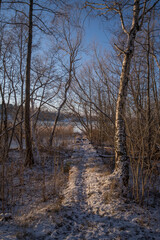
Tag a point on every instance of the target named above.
point(89, 208)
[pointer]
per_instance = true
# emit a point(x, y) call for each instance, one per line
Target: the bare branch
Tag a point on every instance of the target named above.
point(122, 21)
point(156, 59)
point(141, 17)
point(89, 100)
point(119, 49)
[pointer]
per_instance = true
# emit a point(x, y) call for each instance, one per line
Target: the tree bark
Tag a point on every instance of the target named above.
point(0, 29)
point(122, 162)
point(148, 99)
point(121, 158)
point(29, 161)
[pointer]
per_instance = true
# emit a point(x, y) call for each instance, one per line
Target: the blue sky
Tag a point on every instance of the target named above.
point(97, 31)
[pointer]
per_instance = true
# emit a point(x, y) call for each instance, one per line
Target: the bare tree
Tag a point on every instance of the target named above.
point(69, 43)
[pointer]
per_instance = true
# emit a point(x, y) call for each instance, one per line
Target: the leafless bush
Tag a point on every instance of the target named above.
point(144, 177)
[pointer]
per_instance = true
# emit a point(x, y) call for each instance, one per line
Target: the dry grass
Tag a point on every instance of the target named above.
point(62, 138)
point(100, 136)
point(23, 187)
point(61, 131)
point(112, 193)
point(64, 131)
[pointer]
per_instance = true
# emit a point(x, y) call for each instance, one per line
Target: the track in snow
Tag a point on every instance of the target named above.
point(85, 214)
point(80, 221)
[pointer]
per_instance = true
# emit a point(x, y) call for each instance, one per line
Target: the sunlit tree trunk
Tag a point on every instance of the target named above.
point(122, 163)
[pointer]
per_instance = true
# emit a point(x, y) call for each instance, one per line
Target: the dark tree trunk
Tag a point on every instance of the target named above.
point(22, 92)
point(148, 99)
point(29, 161)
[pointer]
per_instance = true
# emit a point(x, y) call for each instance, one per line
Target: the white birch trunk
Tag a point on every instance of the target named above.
point(122, 164)
point(121, 158)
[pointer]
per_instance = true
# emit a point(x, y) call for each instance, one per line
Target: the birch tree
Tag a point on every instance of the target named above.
point(130, 28)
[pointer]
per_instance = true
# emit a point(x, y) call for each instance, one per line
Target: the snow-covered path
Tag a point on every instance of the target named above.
point(80, 219)
point(85, 213)
point(91, 209)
